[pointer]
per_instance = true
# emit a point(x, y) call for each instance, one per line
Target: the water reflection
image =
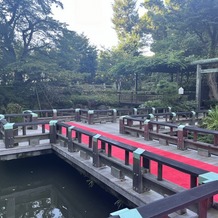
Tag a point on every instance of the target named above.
point(44, 187)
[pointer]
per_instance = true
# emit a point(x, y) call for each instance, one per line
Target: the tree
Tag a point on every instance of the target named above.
point(126, 22)
point(74, 53)
point(25, 27)
point(189, 26)
point(38, 53)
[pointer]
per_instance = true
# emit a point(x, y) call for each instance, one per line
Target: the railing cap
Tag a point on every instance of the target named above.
point(53, 122)
point(34, 115)
point(181, 127)
point(96, 137)
point(2, 116)
point(27, 111)
point(91, 111)
point(8, 126)
point(137, 153)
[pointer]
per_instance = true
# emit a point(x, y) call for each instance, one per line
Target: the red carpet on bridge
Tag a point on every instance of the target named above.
point(169, 174)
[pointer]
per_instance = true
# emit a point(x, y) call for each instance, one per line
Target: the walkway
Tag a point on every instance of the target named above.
point(113, 128)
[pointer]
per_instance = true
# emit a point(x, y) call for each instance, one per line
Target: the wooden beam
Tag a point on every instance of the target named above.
point(211, 70)
point(205, 61)
point(198, 87)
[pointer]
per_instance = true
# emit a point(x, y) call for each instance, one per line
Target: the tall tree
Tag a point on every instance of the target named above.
point(126, 22)
point(25, 27)
point(73, 52)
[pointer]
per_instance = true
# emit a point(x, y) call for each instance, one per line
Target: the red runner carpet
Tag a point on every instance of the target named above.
point(169, 174)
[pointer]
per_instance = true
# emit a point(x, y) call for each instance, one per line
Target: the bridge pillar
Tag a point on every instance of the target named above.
point(181, 137)
point(9, 135)
point(91, 116)
point(71, 145)
point(77, 115)
point(96, 159)
point(137, 171)
point(53, 131)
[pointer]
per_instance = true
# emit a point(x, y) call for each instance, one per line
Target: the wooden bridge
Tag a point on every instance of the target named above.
point(94, 151)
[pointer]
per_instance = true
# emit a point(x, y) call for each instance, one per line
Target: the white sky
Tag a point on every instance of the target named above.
point(91, 17)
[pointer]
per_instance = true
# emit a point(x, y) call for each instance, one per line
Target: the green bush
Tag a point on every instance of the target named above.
point(13, 108)
point(211, 121)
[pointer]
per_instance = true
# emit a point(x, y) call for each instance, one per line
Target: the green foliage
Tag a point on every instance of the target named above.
point(93, 100)
point(40, 58)
point(13, 108)
point(168, 91)
point(211, 120)
point(126, 22)
point(188, 26)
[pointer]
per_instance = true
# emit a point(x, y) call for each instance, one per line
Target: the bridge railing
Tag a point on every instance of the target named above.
point(11, 135)
point(200, 195)
point(56, 114)
point(167, 133)
point(97, 116)
point(135, 163)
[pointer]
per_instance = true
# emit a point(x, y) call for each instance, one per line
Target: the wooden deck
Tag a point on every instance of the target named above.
point(113, 128)
point(24, 149)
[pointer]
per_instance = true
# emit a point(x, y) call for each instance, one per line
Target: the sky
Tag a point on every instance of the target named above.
point(91, 17)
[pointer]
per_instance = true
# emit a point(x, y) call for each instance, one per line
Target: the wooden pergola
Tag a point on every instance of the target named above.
point(200, 70)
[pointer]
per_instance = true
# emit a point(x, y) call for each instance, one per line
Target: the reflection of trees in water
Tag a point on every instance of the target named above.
point(47, 187)
point(40, 209)
point(39, 202)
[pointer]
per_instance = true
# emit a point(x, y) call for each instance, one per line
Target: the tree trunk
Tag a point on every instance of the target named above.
point(213, 92)
point(212, 77)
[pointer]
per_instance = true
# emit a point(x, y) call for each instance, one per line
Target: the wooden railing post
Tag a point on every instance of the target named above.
point(173, 117)
point(114, 119)
point(135, 111)
point(91, 116)
point(9, 135)
point(96, 159)
point(71, 145)
point(77, 116)
point(147, 128)
point(180, 138)
point(137, 171)
point(34, 119)
point(2, 122)
point(53, 131)
point(27, 118)
point(193, 118)
point(122, 125)
point(55, 114)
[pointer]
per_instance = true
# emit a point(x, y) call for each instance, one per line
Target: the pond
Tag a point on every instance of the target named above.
point(46, 186)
